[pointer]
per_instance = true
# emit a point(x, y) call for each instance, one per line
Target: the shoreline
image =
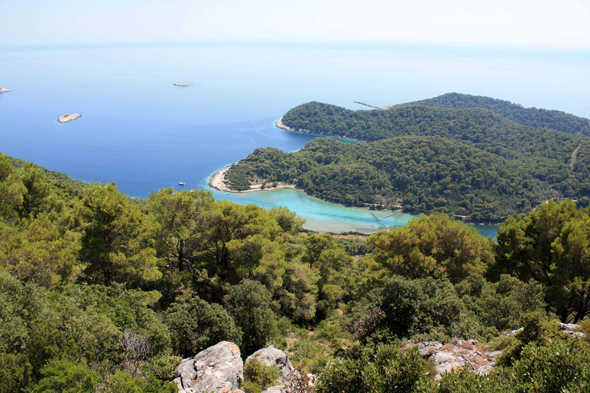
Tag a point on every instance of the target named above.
point(279, 124)
point(217, 181)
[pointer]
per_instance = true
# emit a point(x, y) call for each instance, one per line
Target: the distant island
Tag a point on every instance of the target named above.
point(477, 158)
point(3, 90)
point(69, 117)
point(182, 84)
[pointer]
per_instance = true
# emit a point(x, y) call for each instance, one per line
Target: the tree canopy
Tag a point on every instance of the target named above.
point(100, 292)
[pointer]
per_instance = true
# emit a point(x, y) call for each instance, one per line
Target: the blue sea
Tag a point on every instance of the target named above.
point(143, 133)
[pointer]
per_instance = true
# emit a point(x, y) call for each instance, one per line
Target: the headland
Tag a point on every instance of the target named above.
point(217, 182)
point(279, 124)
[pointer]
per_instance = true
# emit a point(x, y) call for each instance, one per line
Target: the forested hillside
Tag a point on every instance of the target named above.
point(422, 174)
point(538, 118)
point(469, 162)
point(100, 295)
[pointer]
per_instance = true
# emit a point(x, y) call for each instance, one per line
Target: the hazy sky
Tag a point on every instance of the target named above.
point(556, 23)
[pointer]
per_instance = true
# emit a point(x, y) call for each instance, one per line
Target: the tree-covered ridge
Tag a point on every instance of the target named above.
point(101, 296)
point(555, 160)
point(422, 174)
point(57, 179)
point(538, 118)
point(481, 127)
point(548, 152)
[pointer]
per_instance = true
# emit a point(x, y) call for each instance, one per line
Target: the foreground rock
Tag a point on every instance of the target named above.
point(217, 369)
point(3, 90)
point(69, 117)
point(457, 354)
point(271, 356)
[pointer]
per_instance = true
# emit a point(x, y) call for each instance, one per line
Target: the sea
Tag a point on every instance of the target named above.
point(143, 133)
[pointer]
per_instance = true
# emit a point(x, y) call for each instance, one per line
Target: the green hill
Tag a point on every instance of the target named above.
point(539, 118)
point(422, 174)
point(469, 162)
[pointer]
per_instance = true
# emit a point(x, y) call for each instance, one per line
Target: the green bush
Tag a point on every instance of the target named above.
point(63, 376)
point(365, 371)
point(121, 382)
point(250, 305)
point(195, 325)
point(258, 376)
point(15, 373)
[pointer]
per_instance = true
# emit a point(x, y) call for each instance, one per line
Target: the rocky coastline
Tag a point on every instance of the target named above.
point(69, 117)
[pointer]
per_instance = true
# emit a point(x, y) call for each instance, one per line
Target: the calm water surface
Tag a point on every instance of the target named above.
point(143, 133)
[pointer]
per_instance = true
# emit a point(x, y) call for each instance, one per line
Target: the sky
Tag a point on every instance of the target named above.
point(534, 23)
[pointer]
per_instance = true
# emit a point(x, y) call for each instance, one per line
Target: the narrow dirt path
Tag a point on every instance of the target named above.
point(574, 157)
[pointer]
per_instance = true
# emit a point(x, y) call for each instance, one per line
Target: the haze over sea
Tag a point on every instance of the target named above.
point(143, 133)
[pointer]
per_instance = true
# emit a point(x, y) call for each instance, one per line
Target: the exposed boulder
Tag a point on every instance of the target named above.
point(217, 369)
point(456, 354)
point(572, 329)
point(275, 389)
point(272, 356)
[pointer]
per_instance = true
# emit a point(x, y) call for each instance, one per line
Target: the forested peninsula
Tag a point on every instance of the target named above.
point(102, 293)
point(475, 157)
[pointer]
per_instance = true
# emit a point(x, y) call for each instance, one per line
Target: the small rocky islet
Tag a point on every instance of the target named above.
point(69, 117)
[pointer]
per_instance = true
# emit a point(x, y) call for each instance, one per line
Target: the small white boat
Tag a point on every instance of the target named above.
point(180, 183)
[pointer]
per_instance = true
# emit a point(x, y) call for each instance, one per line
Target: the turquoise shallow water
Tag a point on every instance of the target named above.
point(143, 133)
point(328, 217)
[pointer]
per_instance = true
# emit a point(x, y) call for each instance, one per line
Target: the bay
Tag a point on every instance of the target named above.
point(143, 133)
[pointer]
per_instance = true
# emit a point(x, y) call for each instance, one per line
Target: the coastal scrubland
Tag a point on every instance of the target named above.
point(101, 293)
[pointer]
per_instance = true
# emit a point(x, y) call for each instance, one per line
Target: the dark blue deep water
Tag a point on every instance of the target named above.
point(143, 133)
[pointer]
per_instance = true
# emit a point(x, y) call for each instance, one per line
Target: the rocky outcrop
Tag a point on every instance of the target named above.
point(457, 354)
point(220, 369)
point(271, 356)
point(217, 369)
point(275, 389)
point(570, 328)
point(69, 117)
point(470, 353)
